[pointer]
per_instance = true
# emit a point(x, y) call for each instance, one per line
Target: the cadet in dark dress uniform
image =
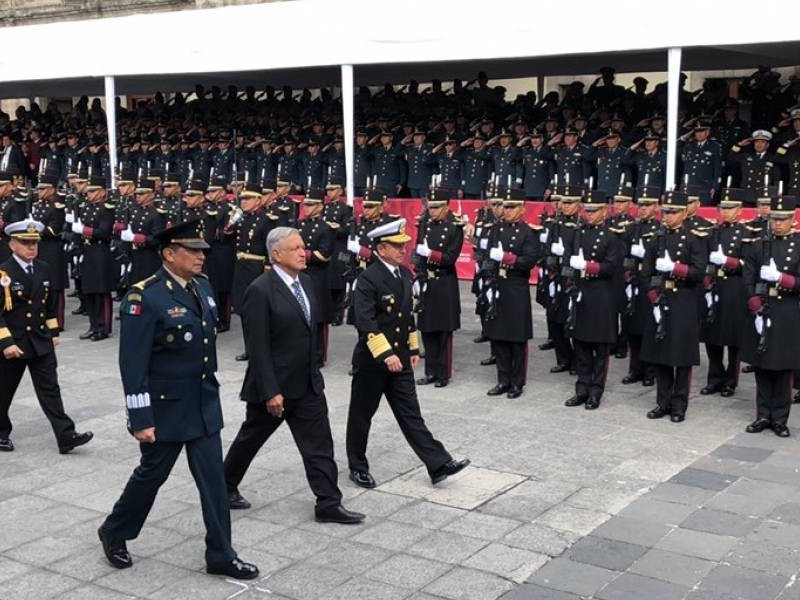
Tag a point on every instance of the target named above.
point(389, 166)
point(421, 164)
point(6, 200)
point(384, 358)
point(514, 247)
point(772, 280)
point(571, 160)
point(168, 364)
point(145, 219)
point(486, 219)
point(439, 240)
point(650, 163)
point(675, 264)
point(477, 164)
point(339, 216)
point(49, 211)
point(611, 160)
point(757, 169)
point(621, 223)
point(725, 296)
point(29, 335)
point(537, 167)
point(701, 161)
point(95, 226)
point(506, 159)
point(222, 254)
point(594, 260)
point(450, 163)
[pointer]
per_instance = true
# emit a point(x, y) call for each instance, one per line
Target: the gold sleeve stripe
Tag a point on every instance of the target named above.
point(321, 256)
point(52, 323)
point(378, 344)
point(413, 341)
point(5, 332)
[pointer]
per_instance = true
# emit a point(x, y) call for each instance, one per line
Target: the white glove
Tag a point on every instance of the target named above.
point(353, 245)
point(126, 235)
point(70, 216)
point(484, 243)
point(423, 249)
point(629, 291)
point(718, 257)
point(415, 289)
point(657, 314)
point(637, 249)
point(237, 215)
point(557, 248)
point(77, 227)
point(770, 272)
point(665, 264)
point(543, 237)
point(759, 323)
point(497, 253)
point(551, 289)
point(578, 262)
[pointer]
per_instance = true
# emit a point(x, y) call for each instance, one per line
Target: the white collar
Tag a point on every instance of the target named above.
point(388, 266)
point(285, 277)
point(22, 263)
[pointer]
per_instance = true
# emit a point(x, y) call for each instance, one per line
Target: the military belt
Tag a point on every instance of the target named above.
point(248, 256)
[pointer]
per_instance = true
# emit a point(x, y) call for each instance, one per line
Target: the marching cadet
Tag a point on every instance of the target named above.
point(450, 163)
point(338, 215)
point(222, 254)
point(29, 336)
point(772, 279)
point(384, 358)
point(701, 161)
point(570, 158)
point(637, 304)
point(249, 225)
point(168, 364)
point(675, 264)
point(440, 236)
point(757, 168)
point(725, 296)
point(594, 259)
point(95, 227)
point(537, 167)
point(319, 239)
point(389, 166)
point(477, 163)
point(421, 164)
point(144, 220)
point(611, 160)
point(49, 211)
point(515, 249)
point(650, 163)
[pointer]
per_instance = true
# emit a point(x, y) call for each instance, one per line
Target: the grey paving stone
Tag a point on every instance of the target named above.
point(633, 531)
point(657, 511)
point(351, 557)
point(391, 536)
point(682, 494)
point(11, 568)
point(95, 593)
point(707, 480)
point(295, 543)
point(719, 522)
point(375, 503)
point(508, 562)
point(144, 577)
point(740, 581)
point(88, 566)
point(630, 586)
point(305, 580)
point(199, 588)
point(784, 535)
point(447, 547)
point(469, 584)
point(366, 589)
point(697, 543)
point(762, 556)
point(427, 514)
point(37, 585)
point(541, 539)
point(569, 576)
point(576, 520)
point(479, 525)
point(743, 453)
point(530, 591)
point(406, 571)
point(672, 567)
point(609, 554)
point(727, 501)
point(788, 512)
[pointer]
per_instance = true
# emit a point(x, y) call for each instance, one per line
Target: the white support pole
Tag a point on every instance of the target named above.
point(349, 129)
point(673, 87)
point(111, 123)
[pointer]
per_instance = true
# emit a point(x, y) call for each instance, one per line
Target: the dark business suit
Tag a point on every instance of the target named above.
point(284, 359)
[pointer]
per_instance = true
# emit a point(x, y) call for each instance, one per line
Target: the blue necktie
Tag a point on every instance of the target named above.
point(298, 293)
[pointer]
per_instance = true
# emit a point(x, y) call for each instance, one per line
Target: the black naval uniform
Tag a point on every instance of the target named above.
point(537, 170)
point(51, 249)
point(251, 247)
point(338, 216)
point(754, 169)
point(220, 264)
point(440, 308)
point(98, 278)
point(144, 221)
point(485, 221)
point(319, 240)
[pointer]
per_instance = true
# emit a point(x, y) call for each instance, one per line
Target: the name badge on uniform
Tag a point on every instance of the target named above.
point(177, 311)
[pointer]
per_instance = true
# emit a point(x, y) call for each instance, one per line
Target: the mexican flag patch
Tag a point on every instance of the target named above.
point(133, 309)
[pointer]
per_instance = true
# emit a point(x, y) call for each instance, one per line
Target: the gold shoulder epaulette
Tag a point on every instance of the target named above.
point(59, 205)
point(782, 150)
point(145, 283)
point(699, 233)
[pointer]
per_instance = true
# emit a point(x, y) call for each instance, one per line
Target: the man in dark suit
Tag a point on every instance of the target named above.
point(168, 363)
point(384, 358)
point(29, 335)
point(283, 381)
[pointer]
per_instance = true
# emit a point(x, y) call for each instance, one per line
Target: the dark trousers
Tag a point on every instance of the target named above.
point(323, 333)
point(224, 309)
point(307, 418)
point(773, 395)
point(672, 388)
point(418, 193)
point(512, 362)
point(438, 354)
point(45, 384)
point(561, 343)
point(591, 362)
point(99, 306)
point(365, 396)
point(60, 306)
point(621, 347)
point(338, 298)
point(718, 374)
point(205, 462)
point(636, 366)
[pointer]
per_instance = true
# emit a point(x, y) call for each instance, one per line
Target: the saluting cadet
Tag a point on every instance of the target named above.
point(338, 215)
point(505, 159)
point(477, 163)
point(389, 166)
point(421, 164)
point(537, 167)
point(514, 247)
point(450, 163)
point(145, 219)
point(384, 358)
point(675, 264)
point(650, 163)
point(168, 364)
point(594, 259)
point(701, 161)
point(611, 160)
point(440, 236)
point(29, 336)
point(570, 158)
point(772, 279)
point(362, 245)
point(50, 212)
point(6, 207)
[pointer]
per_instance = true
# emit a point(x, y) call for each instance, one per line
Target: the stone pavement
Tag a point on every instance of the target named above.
point(559, 503)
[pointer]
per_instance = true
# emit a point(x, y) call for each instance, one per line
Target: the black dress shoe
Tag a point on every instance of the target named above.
point(237, 569)
point(498, 389)
point(710, 389)
point(727, 391)
point(648, 382)
point(757, 426)
point(481, 339)
point(657, 413)
point(780, 430)
point(222, 328)
point(362, 479)
point(441, 383)
point(87, 335)
point(6, 445)
point(592, 404)
point(631, 378)
point(621, 354)
point(426, 380)
point(575, 401)
point(338, 514)
point(79, 311)
point(492, 360)
point(514, 392)
point(748, 369)
point(548, 345)
point(236, 501)
point(116, 551)
point(677, 418)
point(451, 467)
point(559, 368)
point(241, 357)
point(573, 371)
point(67, 445)
point(99, 336)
